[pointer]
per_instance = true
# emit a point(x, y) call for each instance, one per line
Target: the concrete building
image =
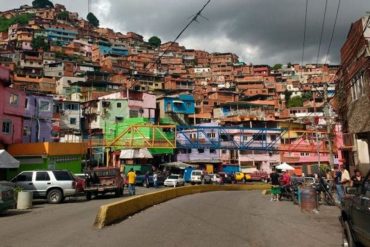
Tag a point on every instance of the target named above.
point(353, 95)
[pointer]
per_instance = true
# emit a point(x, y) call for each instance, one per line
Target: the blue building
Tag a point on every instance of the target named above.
point(106, 48)
point(61, 35)
point(177, 107)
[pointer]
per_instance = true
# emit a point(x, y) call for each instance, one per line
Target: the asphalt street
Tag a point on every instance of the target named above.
point(237, 218)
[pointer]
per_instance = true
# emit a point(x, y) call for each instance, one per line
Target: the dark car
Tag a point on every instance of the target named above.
point(227, 178)
point(355, 215)
point(140, 179)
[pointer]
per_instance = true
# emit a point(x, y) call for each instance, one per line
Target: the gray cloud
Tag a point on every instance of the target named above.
point(259, 31)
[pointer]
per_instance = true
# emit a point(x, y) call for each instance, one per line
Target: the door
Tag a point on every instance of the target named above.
point(361, 213)
point(41, 183)
point(24, 180)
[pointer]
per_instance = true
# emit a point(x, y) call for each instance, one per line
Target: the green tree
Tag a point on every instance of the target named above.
point(63, 16)
point(295, 101)
point(277, 66)
point(155, 41)
point(39, 43)
point(42, 4)
point(307, 96)
point(289, 65)
point(91, 18)
point(287, 95)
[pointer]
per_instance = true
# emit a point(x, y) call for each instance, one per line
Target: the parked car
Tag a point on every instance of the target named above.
point(7, 198)
point(140, 179)
point(257, 176)
point(196, 177)
point(355, 215)
point(104, 180)
point(207, 179)
point(242, 177)
point(215, 178)
point(54, 185)
point(174, 180)
point(227, 178)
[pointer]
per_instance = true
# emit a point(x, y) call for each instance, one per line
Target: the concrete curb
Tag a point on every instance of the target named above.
point(114, 212)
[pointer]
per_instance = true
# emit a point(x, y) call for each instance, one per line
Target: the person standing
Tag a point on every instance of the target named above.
point(275, 186)
point(146, 179)
point(345, 179)
point(357, 179)
point(155, 180)
point(338, 185)
point(131, 181)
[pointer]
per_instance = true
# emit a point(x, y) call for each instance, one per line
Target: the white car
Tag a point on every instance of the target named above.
point(216, 179)
point(196, 177)
point(174, 180)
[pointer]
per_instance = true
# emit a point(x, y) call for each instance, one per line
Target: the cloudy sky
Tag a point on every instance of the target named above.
point(258, 31)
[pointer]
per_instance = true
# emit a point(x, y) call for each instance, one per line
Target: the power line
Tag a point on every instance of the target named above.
point(193, 19)
point(322, 31)
point(332, 32)
point(304, 32)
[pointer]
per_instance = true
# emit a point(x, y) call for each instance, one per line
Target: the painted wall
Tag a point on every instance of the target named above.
point(37, 119)
point(12, 113)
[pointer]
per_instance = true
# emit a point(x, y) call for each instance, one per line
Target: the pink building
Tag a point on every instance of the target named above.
point(12, 107)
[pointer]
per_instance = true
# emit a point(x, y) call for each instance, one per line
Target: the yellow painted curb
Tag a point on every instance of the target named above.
point(116, 211)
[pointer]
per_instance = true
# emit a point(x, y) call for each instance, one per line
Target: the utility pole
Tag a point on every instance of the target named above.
point(328, 121)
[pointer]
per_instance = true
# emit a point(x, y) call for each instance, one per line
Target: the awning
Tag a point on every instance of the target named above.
point(177, 164)
point(139, 153)
point(7, 161)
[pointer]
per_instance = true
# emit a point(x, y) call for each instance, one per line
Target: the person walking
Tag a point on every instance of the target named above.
point(146, 179)
point(131, 181)
point(338, 185)
point(155, 180)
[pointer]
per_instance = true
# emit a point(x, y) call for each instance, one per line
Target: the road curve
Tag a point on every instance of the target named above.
point(214, 219)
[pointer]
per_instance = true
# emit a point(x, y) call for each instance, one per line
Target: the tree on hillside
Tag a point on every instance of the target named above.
point(63, 16)
point(307, 96)
point(91, 18)
point(295, 101)
point(277, 66)
point(39, 43)
point(42, 4)
point(287, 95)
point(155, 41)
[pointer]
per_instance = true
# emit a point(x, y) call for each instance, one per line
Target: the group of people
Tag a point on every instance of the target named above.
point(338, 180)
point(341, 179)
point(279, 183)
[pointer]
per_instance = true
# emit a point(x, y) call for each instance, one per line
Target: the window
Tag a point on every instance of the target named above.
point(7, 127)
point(24, 177)
point(73, 107)
point(72, 121)
point(188, 104)
point(62, 176)
point(26, 103)
point(211, 135)
point(134, 113)
point(44, 105)
point(212, 151)
point(273, 137)
point(13, 100)
point(224, 151)
point(119, 105)
point(259, 137)
point(42, 176)
point(200, 150)
point(119, 119)
point(26, 131)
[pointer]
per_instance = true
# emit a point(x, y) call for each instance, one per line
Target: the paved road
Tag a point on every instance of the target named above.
point(237, 218)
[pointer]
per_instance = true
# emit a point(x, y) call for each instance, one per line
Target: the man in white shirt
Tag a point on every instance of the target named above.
point(345, 178)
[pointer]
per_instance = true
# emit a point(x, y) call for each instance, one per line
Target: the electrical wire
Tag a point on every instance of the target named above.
point(322, 31)
point(332, 32)
point(304, 32)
